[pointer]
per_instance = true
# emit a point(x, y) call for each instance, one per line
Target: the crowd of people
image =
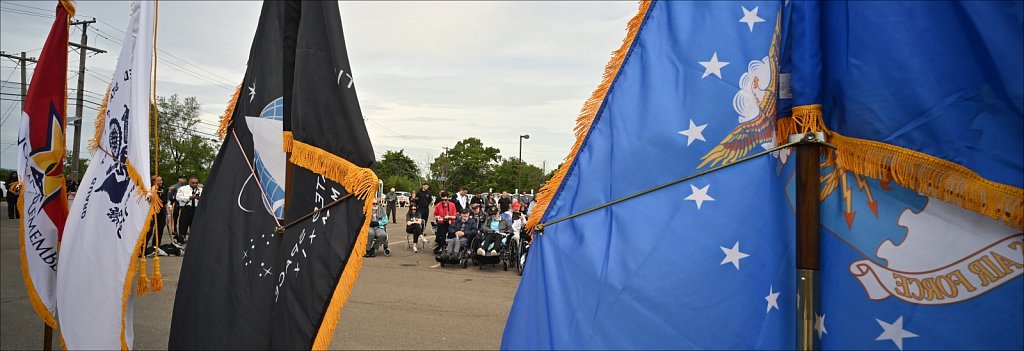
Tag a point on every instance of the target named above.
point(454, 220)
point(179, 204)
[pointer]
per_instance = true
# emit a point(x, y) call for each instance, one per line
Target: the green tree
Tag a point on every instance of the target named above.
point(396, 164)
point(398, 171)
point(83, 164)
point(469, 163)
point(507, 177)
point(183, 151)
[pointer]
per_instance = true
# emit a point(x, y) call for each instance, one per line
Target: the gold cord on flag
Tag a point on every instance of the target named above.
point(588, 114)
point(158, 283)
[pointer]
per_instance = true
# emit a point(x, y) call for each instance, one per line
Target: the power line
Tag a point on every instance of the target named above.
point(40, 9)
point(198, 66)
point(26, 13)
point(177, 66)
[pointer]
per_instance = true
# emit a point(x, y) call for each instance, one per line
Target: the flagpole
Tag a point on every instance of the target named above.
point(47, 337)
point(808, 222)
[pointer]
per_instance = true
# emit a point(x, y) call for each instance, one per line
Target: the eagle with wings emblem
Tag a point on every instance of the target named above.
point(756, 103)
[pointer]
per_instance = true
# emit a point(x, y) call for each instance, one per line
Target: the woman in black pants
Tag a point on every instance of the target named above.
point(414, 226)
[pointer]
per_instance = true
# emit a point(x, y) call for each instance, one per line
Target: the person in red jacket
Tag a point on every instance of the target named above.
point(444, 215)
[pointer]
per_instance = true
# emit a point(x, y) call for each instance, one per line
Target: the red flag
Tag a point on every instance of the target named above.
point(44, 202)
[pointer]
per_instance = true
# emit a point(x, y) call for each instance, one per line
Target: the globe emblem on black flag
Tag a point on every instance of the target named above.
point(268, 156)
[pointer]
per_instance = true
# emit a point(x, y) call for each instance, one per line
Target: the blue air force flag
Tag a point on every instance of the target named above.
point(922, 207)
point(707, 263)
point(106, 222)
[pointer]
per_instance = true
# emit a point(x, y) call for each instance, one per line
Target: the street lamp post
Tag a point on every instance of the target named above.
point(519, 178)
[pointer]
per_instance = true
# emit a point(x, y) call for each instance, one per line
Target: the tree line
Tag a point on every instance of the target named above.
point(468, 163)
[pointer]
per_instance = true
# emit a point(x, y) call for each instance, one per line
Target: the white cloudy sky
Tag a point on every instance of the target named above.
point(428, 73)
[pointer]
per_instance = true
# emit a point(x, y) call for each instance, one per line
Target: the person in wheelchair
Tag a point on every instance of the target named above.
point(414, 226)
point(378, 234)
point(495, 231)
point(461, 232)
point(477, 212)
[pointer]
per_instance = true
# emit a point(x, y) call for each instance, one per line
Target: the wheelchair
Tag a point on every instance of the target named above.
point(383, 244)
point(504, 256)
point(520, 248)
point(462, 258)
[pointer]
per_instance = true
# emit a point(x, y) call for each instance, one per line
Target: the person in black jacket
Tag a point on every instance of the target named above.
point(504, 202)
point(423, 201)
point(461, 232)
point(461, 200)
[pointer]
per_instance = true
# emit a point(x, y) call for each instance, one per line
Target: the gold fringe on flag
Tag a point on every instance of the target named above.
point(287, 141)
point(588, 114)
point(361, 183)
point(37, 303)
point(101, 118)
point(911, 169)
point(229, 112)
point(68, 6)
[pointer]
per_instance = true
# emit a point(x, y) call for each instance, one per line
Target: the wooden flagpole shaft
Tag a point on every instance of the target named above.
point(47, 337)
point(808, 224)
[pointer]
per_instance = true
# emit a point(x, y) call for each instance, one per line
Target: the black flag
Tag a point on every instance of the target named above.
point(245, 282)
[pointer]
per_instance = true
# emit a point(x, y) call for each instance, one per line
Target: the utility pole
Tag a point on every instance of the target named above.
point(447, 165)
point(82, 48)
point(24, 79)
point(519, 176)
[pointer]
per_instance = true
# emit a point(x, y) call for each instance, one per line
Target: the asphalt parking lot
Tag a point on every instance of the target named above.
point(406, 301)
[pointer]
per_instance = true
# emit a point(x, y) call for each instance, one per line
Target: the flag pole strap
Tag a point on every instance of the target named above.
point(816, 139)
point(280, 229)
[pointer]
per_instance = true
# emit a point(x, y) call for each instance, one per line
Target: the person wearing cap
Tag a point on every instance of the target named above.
point(492, 229)
point(460, 233)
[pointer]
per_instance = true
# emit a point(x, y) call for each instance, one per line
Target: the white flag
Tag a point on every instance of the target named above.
point(101, 246)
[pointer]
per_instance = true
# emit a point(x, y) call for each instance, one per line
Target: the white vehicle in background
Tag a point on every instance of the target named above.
point(403, 198)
